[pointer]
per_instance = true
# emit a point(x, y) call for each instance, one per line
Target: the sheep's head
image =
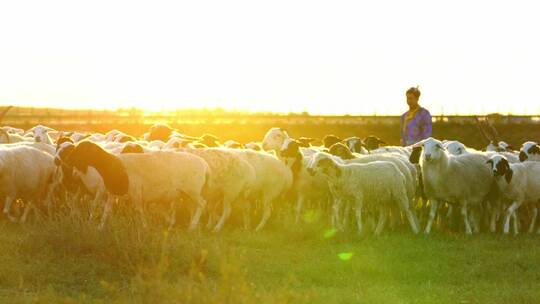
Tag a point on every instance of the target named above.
point(305, 142)
point(232, 144)
point(372, 142)
point(505, 147)
point(131, 147)
point(455, 147)
point(253, 146)
point(341, 151)
point(209, 140)
point(159, 132)
point(83, 154)
point(432, 150)
point(354, 144)
point(123, 138)
point(290, 154)
point(273, 139)
point(323, 163)
point(529, 149)
point(63, 152)
point(111, 135)
point(41, 134)
point(4, 136)
point(500, 167)
point(176, 143)
point(62, 140)
point(329, 140)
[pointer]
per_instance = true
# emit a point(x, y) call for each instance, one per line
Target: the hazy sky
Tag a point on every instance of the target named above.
point(320, 56)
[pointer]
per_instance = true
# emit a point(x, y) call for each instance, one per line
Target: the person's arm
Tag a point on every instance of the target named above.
point(426, 122)
point(402, 134)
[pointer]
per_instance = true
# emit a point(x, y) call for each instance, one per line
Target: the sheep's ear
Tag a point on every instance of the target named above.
point(522, 156)
point(415, 155)
point(490, 162)
point(535, 149)
point(508, 175)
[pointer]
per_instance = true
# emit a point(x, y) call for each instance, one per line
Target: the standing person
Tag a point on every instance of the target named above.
point(415, 123)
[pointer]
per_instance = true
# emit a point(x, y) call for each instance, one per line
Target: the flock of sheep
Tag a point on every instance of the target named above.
point(350, 180)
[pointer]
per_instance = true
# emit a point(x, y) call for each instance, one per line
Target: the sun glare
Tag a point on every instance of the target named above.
point(352, 58)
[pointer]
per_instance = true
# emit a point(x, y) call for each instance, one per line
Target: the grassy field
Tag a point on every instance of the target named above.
point(65, 259)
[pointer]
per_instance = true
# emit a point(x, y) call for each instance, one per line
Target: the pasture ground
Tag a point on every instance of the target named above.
point(66, 259)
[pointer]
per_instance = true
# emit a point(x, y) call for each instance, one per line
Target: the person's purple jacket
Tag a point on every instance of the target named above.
point(417, 128)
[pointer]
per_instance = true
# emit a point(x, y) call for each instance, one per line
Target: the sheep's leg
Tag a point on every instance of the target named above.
point(106, 211)
point(473, 219)
point(7, 206)
point(201, 204)
point(412, 220)
point(533, 219)
point(49, 199)
point(211, 218)
point(509, 211)
point(345, 215)
point(358, 211)
point(382, 220)
point(172, 218)
point(247, 215)
point(449, 212)
point(93, 205)
point(493, 220)
point(336, 210)
point(468, 229)
point(299, 207)
point(266, 214)
point(27, 209)
point(434, 204)
point(226, 213)
point(515, 220)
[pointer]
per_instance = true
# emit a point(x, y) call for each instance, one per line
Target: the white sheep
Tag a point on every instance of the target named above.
point(41, 134)
point(519, 183)
point(463, 180)
point(7, 137)
point(272, 180)
point(12, 130)
point(275, 137)
point(145, 178)
point(25, 173)
point(377, 183)
point(231, 181)
point(405, 167)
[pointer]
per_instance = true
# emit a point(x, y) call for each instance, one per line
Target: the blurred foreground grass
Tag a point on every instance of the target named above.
point(65, 259)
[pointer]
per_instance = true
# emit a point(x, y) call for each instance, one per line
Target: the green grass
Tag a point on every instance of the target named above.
point(68, 260)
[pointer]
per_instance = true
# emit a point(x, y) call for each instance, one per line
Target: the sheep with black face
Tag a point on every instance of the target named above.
point(145, 178)
point(529, 151)
point(307, 188)
point(519, 183)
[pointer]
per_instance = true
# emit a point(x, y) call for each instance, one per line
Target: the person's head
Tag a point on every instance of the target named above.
point(413, 95)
